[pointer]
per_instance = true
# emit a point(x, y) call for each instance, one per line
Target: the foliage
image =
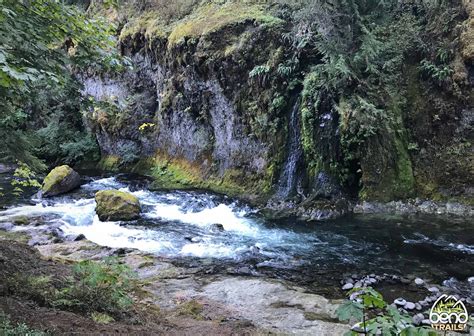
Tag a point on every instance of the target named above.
point(7, 328)
point(375, 316)
point(98, 288)
point(439, 73)
point(145, 127)
point(101, 318)
point(24, 178)
point(260, 72)
point(353, 56)
point(41, 41)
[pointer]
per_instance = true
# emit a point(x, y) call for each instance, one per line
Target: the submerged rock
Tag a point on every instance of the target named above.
point(60, 180)
point(216, 228)
point(114, 205)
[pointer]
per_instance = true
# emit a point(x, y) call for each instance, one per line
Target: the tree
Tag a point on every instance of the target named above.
point(41, 43)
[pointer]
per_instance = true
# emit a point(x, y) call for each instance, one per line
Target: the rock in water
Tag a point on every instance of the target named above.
point(216, 228)
point(114, 205)
point(60, 180)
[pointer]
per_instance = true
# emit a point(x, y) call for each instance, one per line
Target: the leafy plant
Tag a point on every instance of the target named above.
point(376, 317)
point(439, 73)
point(260, 73)
point(7, 328)
point(24, 178)
point(41, 41)
point(98, 288)
point(145, 127)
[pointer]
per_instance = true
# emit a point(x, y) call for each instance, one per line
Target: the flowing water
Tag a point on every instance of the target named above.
point(287, 184)
point(179, 225)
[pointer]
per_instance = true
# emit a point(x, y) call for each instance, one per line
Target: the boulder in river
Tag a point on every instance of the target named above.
point(60, 180)
point(115, 205)
point(216, 228)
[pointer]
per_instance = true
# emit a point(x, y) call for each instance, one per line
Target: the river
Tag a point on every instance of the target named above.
point(179, 225)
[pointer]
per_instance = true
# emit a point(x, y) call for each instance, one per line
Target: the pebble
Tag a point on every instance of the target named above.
point(433, 289)
point(419, 282)
point(372, 281)
point(358, 284)
point(347, 286)
point(400, 301)
point(418, 306)
point(426, 322)
point(418, 318)
point(357, 328)
point(409, 306)
point(470, 279)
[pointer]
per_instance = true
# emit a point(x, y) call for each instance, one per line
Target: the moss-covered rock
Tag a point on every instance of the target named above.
point(60, 180)
point(114, 205)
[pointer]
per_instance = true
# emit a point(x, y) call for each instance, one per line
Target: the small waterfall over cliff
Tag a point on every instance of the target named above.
point(290, 178)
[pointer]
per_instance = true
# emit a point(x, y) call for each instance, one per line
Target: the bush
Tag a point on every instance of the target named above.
point(7, 328)
point(376, 317)
point(98, 287)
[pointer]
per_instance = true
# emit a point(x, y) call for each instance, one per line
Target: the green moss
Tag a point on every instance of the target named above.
point(21, 220)
point(55, 177)
point(18, 236)
point(191, 308)
point(150, 24)
point(109, 163)
point(117, 205)
point(212, 17)
point(387, 172)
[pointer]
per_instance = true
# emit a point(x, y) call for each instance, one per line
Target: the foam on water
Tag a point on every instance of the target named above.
point(168, 218)
point(180, 223)
point(422, 239)
point(222, 214)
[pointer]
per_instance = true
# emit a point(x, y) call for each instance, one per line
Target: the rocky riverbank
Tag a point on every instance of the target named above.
point(189, 301)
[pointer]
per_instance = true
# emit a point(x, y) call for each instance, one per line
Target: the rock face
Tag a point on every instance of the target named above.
point(114, 205)
point(60, 180)
point(207, 108)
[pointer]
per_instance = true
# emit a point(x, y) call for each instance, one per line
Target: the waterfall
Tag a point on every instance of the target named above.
point(289, 178)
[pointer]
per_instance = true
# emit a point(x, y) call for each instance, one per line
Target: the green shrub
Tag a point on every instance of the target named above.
point(376, 317)
point(7, 328)
point(98, 287)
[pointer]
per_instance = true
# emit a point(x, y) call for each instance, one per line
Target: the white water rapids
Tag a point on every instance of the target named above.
point(174, 223)
point(180, 224)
